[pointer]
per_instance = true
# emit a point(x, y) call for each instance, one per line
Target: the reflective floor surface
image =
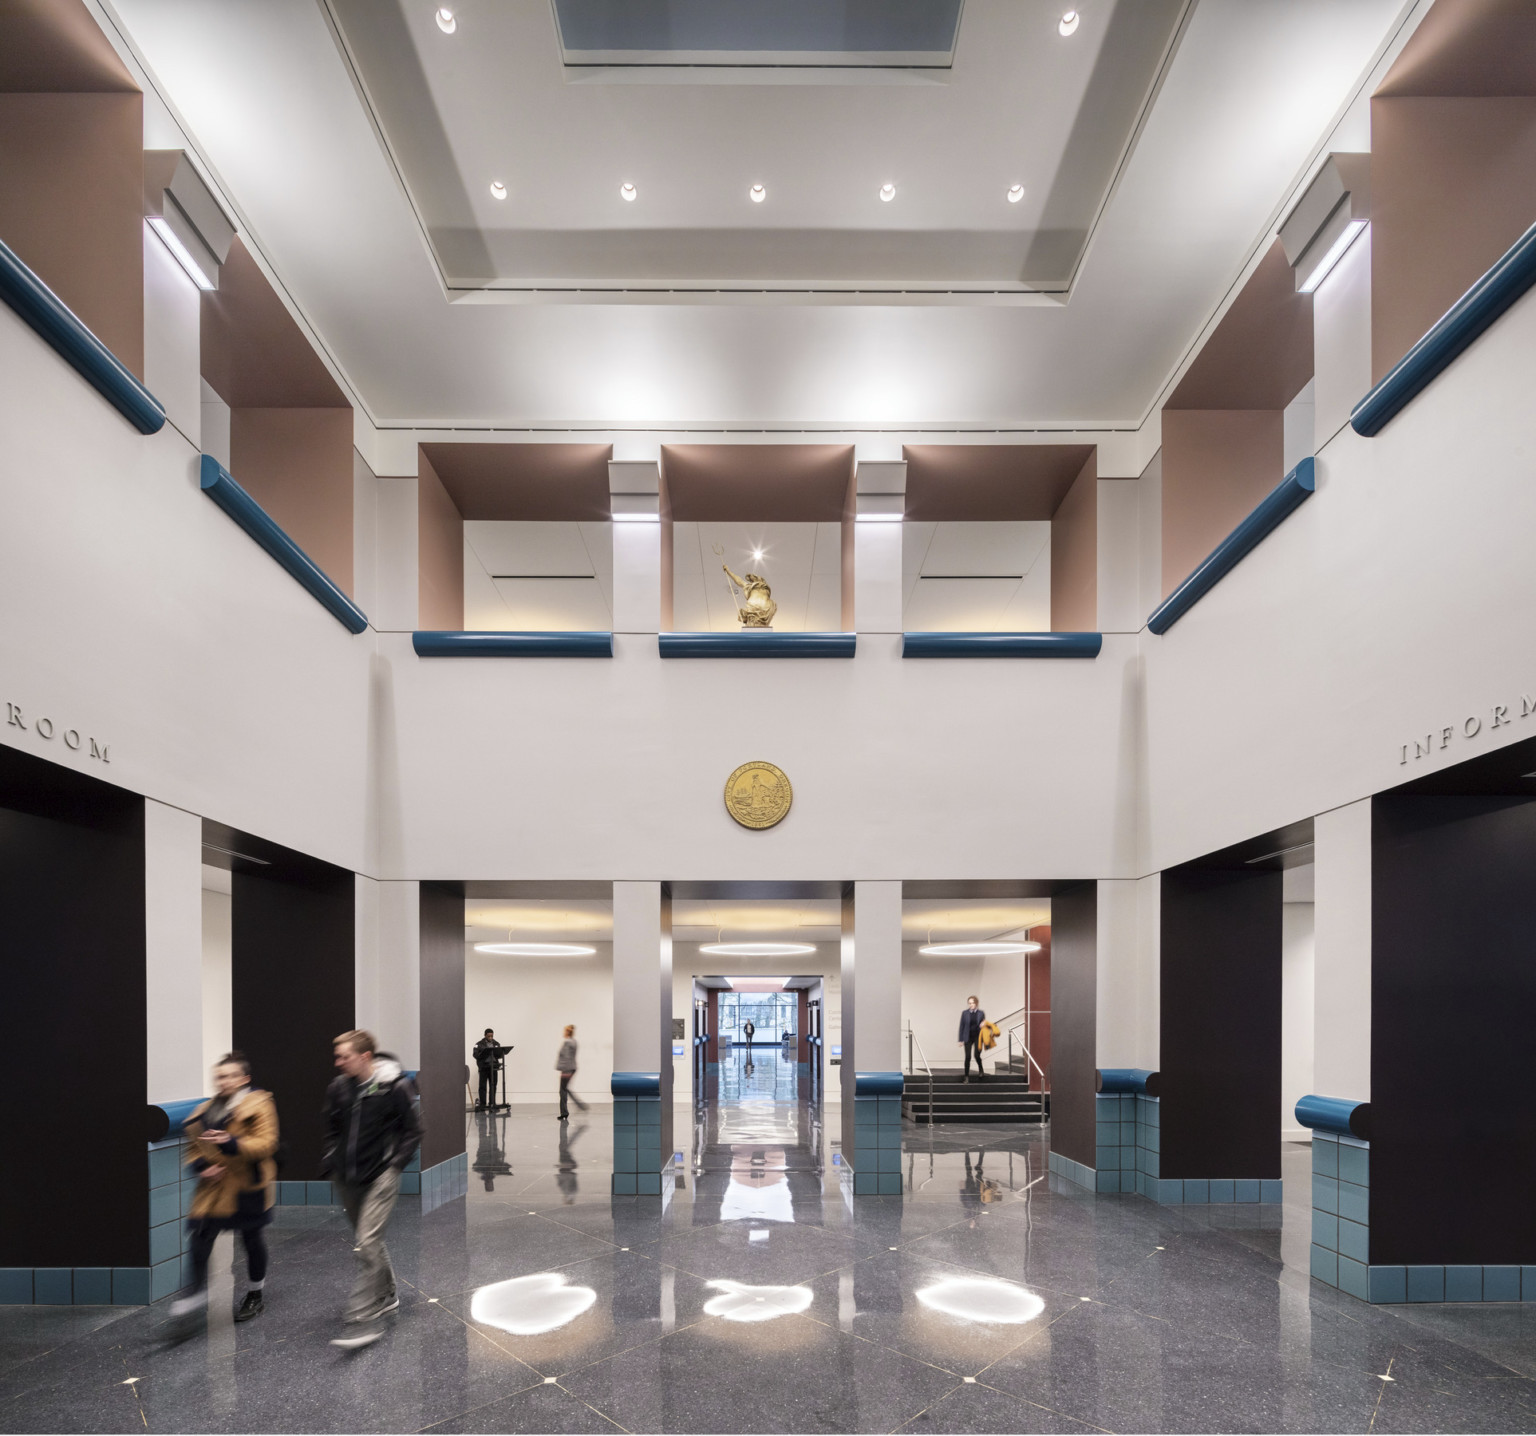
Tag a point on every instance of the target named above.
point(759, 1298)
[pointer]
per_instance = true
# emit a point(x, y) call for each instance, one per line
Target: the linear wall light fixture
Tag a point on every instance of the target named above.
point(186, 217)
point(1330, 216)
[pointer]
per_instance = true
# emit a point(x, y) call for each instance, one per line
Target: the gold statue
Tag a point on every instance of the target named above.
point(756, 608)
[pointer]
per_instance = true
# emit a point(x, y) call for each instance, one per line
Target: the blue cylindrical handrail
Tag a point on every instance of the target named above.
point(1463, 322)
point(1001, 645)
point(1128, 1079)
point(757, 644)
point(1276, 506)
point(166, 1119)
point(54, 321)
point(450, 643)
point(258, 523)
point(1341, 1115)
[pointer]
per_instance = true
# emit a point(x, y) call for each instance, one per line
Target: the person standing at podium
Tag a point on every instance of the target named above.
point(486, 1051)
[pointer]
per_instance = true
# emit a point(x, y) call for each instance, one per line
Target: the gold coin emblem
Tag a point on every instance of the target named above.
point(758, 795)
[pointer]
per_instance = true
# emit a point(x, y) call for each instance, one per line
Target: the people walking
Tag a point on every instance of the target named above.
point(565, 1065)
point(372, 1132)
point(748, 1031)
point(487, 1052)
point(970, 1037)
point(230, 1142)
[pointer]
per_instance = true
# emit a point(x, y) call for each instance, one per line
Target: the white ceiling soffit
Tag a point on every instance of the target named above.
point(274, 116)
point(491, 104)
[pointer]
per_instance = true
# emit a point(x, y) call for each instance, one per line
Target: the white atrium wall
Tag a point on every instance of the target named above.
point(218, 928)
point(528, 1001)
point(538, 576)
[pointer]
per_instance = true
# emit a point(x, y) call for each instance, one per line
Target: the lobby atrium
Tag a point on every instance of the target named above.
point(777, 716)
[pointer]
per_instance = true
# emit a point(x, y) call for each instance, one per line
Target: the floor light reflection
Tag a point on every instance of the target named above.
point(739, 1302)
point(982, 1299)
point(530, 1305)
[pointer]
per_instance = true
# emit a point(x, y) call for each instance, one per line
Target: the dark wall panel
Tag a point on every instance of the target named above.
point(72, 948)
point(293, 988)
point(1220, 1008)
point(442, 1022)
point(1074, 1019)
point(1453, 1010)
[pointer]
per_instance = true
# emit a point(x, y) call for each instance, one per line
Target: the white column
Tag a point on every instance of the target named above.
point(642, 981)
point(1342, 952)
point(172, 338)
point(1298, 997)
point(634, 491)
point(388, 965)
point(218, 966)
point(173, 931)
point(1126, 1011)
point(1341, 340)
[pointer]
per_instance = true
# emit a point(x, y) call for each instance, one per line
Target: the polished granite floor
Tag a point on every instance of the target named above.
point(760, 1298)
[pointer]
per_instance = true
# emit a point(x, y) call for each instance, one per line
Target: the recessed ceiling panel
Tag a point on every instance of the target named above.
point(757, 32)
point(531, 178)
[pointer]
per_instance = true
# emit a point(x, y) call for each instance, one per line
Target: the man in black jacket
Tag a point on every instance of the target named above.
point(372, 1132)
point(970, 1035)
point(485, 1053)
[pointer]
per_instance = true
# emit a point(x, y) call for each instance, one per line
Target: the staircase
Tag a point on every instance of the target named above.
point(1003, 1097)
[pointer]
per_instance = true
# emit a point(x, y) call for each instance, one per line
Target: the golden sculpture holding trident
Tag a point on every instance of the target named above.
point(755, 608)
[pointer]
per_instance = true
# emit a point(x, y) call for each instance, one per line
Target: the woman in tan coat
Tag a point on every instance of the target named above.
point(231, 1140)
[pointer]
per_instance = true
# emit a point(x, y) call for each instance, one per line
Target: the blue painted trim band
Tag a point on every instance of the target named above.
point(1453, 332)
point(1276, 506)
point(877, 1084)
point(1128, 1079)
point(635, 1084)
point(757, 645)
point(257, 522)
point(166, 1119)
point(1001, 645)
point(54, 321)
point(1341, 1115)
point(447, 643)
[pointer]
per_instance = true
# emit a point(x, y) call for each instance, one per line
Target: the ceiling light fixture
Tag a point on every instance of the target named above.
point(1352, 231)
point(628, 190)
point(447, 21)
point(757, 555)
point(622, 518)
point(498, 189)
point(887, 192)
point(977, 949)
point(1015, 193)
point(758, 949)
point(757, 193)
point(1069, 22)
point(535, 949)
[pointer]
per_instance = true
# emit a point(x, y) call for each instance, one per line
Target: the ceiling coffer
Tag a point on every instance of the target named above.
point(182, 210)
point(1328, 218)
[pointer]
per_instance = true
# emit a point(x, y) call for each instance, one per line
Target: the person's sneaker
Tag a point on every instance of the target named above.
point(360, 1336)
point(188, 1306)
point(253, 1305)
point(391, 1303)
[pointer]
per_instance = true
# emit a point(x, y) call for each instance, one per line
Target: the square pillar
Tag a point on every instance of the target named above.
point(1341, 1032)
point(642, 1038)
point(173, 933)
point(871, 1022)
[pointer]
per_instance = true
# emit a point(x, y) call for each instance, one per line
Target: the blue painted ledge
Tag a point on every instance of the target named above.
point(1341, 1115)
point(440, 643)
point(1276, 506)
point(877, 1084)
point(257, 522)
point(1128, 1079)
point(1001, 645)
point(166, 1119)
point(635, 1084)
point(54, 321)
point(1462, 323)
point(760, 644)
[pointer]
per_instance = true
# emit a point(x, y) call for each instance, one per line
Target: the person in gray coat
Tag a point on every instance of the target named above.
point(565, 1065)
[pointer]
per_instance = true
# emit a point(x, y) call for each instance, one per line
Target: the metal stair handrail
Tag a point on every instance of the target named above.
point(1024, 1048)
point(911, 1042)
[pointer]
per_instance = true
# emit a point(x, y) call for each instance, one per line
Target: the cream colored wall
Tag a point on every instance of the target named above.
point(217, 982)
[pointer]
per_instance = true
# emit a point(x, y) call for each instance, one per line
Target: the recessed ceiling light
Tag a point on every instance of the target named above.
point(447, 21)
point(758, 194)
point(887, 192)
point(498, 189)
point(1015, 193)
point(1069, 22)
point(628, 190)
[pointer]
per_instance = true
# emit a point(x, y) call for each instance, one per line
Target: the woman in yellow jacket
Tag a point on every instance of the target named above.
point(231, 1140)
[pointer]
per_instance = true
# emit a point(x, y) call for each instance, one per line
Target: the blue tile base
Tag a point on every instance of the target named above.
point(874, 1164)
point(1128, 1158)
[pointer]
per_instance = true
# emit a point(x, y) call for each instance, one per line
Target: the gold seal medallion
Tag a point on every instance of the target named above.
point(758, 795)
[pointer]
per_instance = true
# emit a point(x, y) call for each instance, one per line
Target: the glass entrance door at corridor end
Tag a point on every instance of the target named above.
point(773, 1015)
